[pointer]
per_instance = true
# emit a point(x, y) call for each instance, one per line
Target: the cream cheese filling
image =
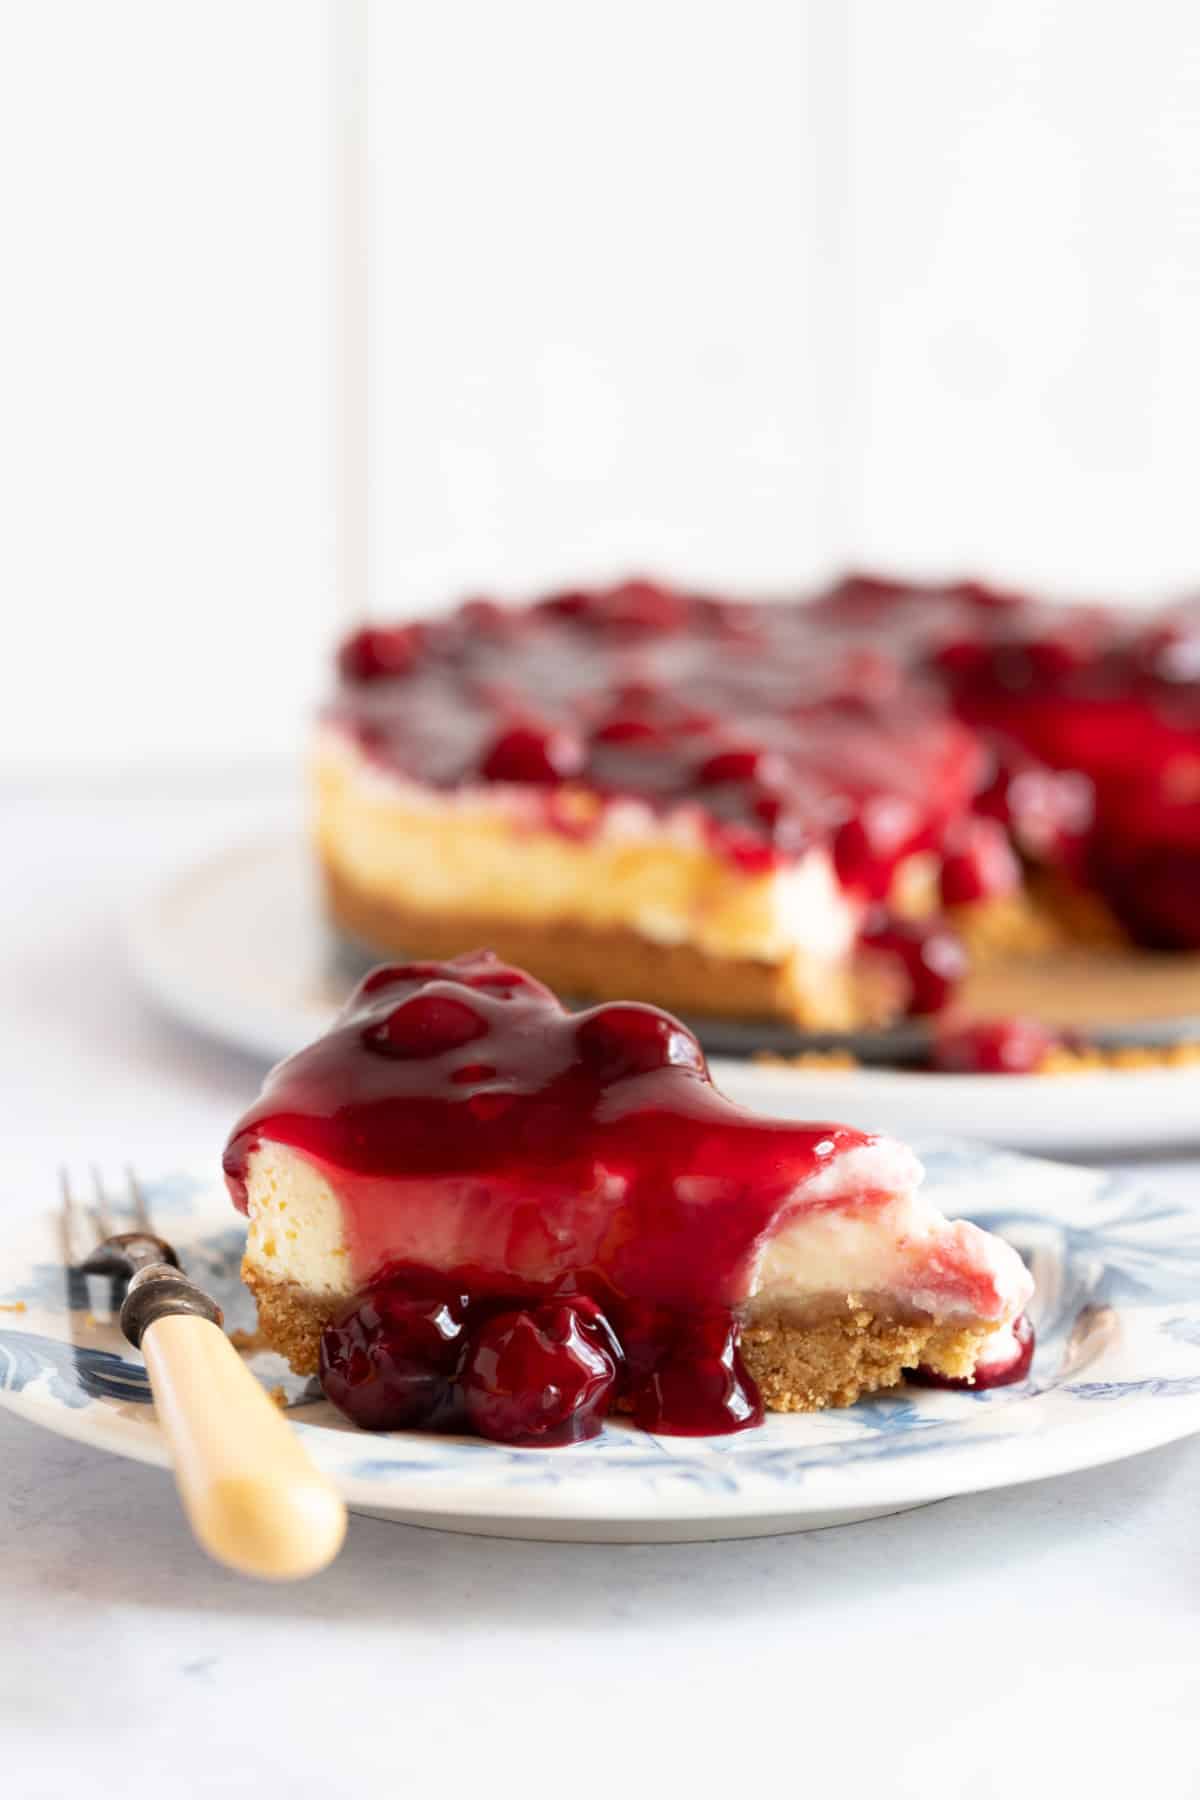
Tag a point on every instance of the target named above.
point(488, 852)
point(887, 1245)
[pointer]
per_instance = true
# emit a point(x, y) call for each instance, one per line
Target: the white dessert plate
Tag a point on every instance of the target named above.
point(1117, 1371)
point(235, 947)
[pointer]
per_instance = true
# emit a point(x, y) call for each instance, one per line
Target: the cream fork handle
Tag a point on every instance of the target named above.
point(254, 1498)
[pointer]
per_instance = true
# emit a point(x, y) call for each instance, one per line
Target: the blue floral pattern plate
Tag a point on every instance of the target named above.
point(1117, 1371)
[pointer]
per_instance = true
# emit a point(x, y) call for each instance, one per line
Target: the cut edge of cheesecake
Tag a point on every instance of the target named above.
point(865, 1279)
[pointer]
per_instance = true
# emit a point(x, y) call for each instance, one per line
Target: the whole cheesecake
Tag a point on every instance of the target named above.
point(812, 810)
point(465, 1196)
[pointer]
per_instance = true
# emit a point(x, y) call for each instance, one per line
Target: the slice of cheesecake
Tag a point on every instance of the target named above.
point(462, 1148)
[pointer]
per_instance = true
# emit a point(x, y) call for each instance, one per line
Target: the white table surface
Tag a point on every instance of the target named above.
point(1053, 1628)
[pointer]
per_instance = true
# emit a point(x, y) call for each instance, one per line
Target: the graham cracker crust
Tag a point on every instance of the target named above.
point(833, 1362)
point(614, 964)
point(1025, 957)
point(798, 1367)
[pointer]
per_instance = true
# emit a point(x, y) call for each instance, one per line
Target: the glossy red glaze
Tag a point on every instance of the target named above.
point(868, 720)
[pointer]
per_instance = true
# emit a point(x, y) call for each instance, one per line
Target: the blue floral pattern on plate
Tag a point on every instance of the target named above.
point(1117, 1370)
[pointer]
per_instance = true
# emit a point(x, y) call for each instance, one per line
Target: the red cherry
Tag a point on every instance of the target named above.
point(985, 598)
point(867, 847)
point(931, 955)
point(1047, 811)
point(544, 1375)
point(429, 1023)
point(574, 603)
point(410, 974)
point(963, 658)
point(626, 730)
point(486, 618)
point(380, 652)
point(541, 755)
point(643, 606)
point(978, 863)
point(1010, 1361)
point(730, 765)
point(622, 1040)
point(390, 1358)
point(862, 595)
point(993, 1047)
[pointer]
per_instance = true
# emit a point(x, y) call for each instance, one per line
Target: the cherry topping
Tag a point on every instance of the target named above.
point(978, 863)
point(1008, 1360)
point(730, 765)
point(543, 1375)
point(643, 606)
point(993, 1047)
point(700, 1386)
point(963, 658)
point(389, 1360)
point(378, 652)
point(617, 1041)
point(533, 753)
point(427, 1024)
point(868, 846)
point(490, 619)
point(931, 955)
point(1155, 893)
point(412, 974)
point(1046, 810)
point(626, 729)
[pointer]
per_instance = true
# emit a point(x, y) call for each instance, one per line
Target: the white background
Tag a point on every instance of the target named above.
point(730, 292)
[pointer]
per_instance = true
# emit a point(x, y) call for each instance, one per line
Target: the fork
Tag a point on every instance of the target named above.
point(254, 1498)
